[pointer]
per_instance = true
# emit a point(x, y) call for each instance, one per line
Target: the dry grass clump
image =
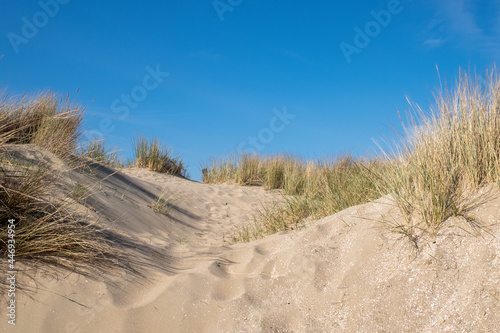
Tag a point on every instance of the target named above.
point(155, 157)
point(45, 227)
point(311, 189)
point(281, 171)
point(162, 203)
point(96, 150)
point(45, 120)
point(323, 188)
point(443, 158)
point(447, 155)
point(244, 169)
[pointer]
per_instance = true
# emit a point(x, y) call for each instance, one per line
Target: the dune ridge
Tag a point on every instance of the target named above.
point(342, 273)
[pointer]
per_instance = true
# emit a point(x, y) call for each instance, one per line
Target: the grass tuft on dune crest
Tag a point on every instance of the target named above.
point(45, 120)
point(446, 155)
point(46, 229)
point(96, 150)
point(154, 156)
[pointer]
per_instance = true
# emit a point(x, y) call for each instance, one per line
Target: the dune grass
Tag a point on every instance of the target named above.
point(47, 230)
point(311, 189)
point(45, 120)
point(446, 155)
point(153, 155)
point(162, 203)
point(443, 156)
point(96, 150)
point(285, 172)
point(441, 159)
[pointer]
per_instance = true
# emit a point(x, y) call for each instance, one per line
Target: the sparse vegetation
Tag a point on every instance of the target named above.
point(47, 230)
point(96, 150)
point(311, 189)
point(446, 155)
point(43, 120)
point(79, 193)
point(442, 158)
point(161, 204)
point(155, 157)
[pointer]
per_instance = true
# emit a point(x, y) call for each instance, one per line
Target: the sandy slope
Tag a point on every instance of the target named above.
point(342, 273)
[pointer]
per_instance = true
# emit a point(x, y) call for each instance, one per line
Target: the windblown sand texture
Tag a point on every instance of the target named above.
point(344, 273)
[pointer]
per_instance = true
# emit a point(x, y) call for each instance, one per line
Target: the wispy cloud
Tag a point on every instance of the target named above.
point(467, 22)
point(434, 42)
point(432, 33)
point(461, 18)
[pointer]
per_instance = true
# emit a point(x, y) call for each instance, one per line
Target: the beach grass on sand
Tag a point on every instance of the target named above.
point(442, 157)
point(46, 229)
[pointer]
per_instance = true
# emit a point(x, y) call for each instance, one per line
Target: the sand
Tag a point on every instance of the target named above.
point(344, 273)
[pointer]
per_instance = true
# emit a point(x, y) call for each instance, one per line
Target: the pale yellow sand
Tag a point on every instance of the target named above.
point(342, 273)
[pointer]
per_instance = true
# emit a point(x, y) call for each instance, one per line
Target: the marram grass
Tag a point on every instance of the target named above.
point(151, 154)
point(443, 156)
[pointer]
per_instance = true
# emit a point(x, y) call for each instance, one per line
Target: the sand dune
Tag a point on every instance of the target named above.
point(344, 273)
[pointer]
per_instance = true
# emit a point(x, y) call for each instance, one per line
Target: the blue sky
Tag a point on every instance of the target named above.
point(211, 77)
